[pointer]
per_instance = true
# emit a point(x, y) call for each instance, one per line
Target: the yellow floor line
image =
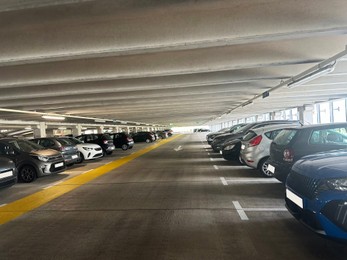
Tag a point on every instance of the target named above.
point(35, 200)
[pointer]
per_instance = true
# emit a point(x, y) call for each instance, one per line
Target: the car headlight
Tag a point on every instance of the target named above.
point(42, 158)
point(337, 184)
point(87, 148)
point(229, 147)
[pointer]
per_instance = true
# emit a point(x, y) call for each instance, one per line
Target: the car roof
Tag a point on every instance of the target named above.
point(273, 127)
point(319, 126)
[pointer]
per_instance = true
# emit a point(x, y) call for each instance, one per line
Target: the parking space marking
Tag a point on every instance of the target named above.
point(223, 181)
point(240, 210)
point(50, 186)
point(3, 205)
point(265, 209)
point(211, 159)
point(216, 167)
point(87, 171)
point(253, 180)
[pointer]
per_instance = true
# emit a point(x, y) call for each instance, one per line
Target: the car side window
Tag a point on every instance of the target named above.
point(329, 136)
point(46, 143)
point(89, 138)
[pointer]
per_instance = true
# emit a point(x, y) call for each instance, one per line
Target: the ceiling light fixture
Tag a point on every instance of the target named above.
point(311, 76)
point(51, 117)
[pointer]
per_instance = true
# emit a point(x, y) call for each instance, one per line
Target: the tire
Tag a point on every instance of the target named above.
point(27, 174)
point(148, 141)
point(262, 166)
point(124, 147)
point(81, 158)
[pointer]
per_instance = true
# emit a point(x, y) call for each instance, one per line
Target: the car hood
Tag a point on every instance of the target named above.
point(88, 145)
point(45, 152)
point(321, 165)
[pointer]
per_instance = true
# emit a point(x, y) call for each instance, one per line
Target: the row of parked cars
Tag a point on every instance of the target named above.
point(309, 160)
point(26, 160)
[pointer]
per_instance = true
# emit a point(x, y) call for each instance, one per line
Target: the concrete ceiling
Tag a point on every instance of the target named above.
point(162, 62)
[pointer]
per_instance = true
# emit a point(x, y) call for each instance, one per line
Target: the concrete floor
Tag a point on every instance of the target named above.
point(167, 204)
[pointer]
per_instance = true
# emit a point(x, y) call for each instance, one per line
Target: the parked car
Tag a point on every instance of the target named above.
point(68, 149)
point(293, 143)
point(255, 147)
point(103, 140)
point(87, 151)
point(162, 134)
point(8, 172)
point(316, 193)
point(231, 151)
point(232, 129)
point(169, 132)
point(31, 160)
point(122, 140)
point(143, 137)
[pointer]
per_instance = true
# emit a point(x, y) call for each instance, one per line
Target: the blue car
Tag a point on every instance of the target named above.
point(316, 193)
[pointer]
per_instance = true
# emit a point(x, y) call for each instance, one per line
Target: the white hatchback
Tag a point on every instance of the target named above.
point(87, 151)
point(255, 147)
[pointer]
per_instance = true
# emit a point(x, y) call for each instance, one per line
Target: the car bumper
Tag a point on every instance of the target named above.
point(8, 178)
point(323, 214)
point(281, 171)
point(47, 168)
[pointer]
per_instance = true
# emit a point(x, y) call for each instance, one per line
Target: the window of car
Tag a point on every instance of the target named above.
point(46, 142)
point(272, 134)
point(285, 136)
point(25, 146)
point(329, 136)
point(249, 135)
point(65, 141)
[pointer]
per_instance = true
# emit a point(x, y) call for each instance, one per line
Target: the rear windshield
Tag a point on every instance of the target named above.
point(249, 136)
point(285, 136)
point(65, 141)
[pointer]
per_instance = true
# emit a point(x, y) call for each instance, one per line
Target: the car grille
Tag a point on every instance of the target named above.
point(336, 211)
point(54, 158)
point(302, 185)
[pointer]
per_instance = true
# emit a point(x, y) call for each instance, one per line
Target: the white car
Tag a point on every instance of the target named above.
point(87, 151)
point(255, 146)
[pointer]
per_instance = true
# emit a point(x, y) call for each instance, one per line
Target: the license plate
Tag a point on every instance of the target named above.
point(295, 198)
point(6, 174)
point(74, 156)
point(243, 147)
point(271, 168)
point(57, 165)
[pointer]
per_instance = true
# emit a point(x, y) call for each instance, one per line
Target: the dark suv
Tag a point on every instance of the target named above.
point(104, 140)
point(122, 140)
point(31, 160)
point(63, 145)
point(293, 143)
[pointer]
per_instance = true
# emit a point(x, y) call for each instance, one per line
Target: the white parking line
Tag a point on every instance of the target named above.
point(253, 180)
point(265, 209)
point(223, 181)
point(240, 210)
point(3, 205)
point(211, 159)
point(45, 188)
point(87, 171)
point(216, 167)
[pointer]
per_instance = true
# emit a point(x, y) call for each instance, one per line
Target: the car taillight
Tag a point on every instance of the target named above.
point(255, 141)
point(288, 155)
point(105, 141)
point(129, 139)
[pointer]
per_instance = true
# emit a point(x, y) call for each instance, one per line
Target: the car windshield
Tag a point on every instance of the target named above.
point(26, 146)
point(285, 136)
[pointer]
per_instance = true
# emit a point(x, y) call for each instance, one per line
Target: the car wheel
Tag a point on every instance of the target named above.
point(27, 174)
point(124, 147)
point(148, 141)
point(81, 158)
point(263, 164)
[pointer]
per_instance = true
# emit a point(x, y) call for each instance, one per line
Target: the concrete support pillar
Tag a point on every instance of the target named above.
point(40, 131)
point(128, 130)
point(306, 114)
point(49, 132)
point(77, 130)
point(100, 129)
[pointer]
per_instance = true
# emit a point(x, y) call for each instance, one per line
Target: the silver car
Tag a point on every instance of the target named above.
point(255, 147)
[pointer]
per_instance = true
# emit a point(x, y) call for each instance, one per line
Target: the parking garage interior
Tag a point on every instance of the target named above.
point(73, 67)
